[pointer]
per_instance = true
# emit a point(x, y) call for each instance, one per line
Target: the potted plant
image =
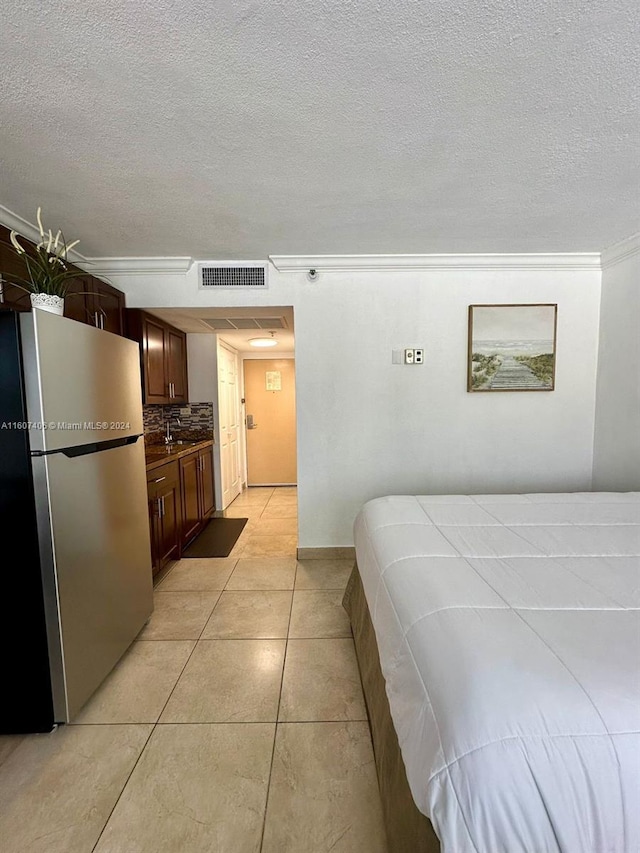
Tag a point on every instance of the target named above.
point(47, 272)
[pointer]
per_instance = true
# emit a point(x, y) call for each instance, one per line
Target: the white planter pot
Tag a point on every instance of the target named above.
point(54, 304)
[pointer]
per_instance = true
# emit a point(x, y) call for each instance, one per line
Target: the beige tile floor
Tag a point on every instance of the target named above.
point(234, 724)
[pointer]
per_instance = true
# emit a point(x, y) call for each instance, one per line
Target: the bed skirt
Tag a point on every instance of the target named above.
point(408, 830)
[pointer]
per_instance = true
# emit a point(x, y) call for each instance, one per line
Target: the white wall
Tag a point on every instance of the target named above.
point(201, 361)
point(616, 463)
point(367, 427)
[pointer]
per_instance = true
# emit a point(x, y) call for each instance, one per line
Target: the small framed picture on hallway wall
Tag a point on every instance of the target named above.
point(512, 347)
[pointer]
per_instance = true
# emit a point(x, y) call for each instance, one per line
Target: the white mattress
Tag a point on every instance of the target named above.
point(509, 641)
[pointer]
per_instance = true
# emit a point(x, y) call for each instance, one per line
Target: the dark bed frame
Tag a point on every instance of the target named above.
point(408, 830)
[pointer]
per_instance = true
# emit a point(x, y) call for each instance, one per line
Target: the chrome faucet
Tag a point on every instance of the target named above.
point(168, 438)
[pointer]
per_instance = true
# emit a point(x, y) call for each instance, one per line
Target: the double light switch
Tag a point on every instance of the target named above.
point(414, 356)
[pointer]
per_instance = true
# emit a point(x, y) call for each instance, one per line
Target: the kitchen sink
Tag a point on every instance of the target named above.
point(180, 442)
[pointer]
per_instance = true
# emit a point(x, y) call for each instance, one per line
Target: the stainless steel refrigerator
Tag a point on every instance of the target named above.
point(73, 510)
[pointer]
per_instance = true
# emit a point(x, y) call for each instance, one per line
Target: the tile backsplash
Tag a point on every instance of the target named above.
point(198, 423)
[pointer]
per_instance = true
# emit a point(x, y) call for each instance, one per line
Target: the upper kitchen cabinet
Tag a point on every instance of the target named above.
point(163, 351)
point(96, 303)
point(11, 264)
point(89, 300)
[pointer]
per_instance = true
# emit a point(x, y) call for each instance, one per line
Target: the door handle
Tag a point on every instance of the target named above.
point(251, 424)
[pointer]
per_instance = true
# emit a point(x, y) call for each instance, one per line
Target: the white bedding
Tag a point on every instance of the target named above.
point(510, 643)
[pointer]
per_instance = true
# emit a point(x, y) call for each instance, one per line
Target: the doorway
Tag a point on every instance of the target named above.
point(270, 418)
point(229, 423)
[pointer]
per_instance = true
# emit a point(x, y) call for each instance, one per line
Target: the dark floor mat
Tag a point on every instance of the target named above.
point(217, 539)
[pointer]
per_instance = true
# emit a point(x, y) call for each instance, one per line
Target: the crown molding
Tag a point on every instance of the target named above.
point(345, 263)
point(14, 222)
point(139, 266)
point(620, 251)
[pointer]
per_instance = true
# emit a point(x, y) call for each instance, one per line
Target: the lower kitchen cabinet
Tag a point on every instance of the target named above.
point(190, 477)
point(196, 481)
point(165, 514)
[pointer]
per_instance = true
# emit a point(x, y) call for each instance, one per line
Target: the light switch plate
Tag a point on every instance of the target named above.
point(408, 356)
point(396, 356)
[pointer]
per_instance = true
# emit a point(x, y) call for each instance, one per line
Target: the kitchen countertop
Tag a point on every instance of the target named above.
point(156, 455)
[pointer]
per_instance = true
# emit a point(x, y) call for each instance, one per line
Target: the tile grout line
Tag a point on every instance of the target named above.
point(275, 728)
point(154, 726)
point(126, 782)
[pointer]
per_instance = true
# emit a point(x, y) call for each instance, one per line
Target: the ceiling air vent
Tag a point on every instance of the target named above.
point(233, 274)
point(220, 324)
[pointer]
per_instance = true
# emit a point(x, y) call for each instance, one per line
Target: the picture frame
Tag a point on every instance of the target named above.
point(512, 347)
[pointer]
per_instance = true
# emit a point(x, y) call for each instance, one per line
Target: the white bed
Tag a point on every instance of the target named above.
point(509, 640)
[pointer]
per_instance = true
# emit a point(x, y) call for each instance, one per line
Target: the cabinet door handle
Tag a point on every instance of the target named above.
point(102, 319)
point(159, 479)
point(96, 322)
point(159, 507)
point(162, 505)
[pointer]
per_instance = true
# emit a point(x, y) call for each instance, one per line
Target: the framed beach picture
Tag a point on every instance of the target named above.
point(512, 347)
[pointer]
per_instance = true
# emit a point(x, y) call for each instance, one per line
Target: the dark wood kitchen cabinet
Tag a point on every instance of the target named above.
point(165, 514)
point(92, 301)
point(11, 264)
point(163, 358)
point(89, 299)
point(196, 483)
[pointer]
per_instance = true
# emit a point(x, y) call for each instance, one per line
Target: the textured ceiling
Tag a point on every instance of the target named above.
point(243, 128)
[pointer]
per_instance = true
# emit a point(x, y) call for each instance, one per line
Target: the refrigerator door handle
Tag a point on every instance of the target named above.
point(87, 449)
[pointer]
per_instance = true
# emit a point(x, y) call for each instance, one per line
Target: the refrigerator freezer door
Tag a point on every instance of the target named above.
point(82, 384)
point(96, 561)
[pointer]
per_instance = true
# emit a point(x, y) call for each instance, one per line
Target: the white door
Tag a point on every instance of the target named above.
point(229, 427)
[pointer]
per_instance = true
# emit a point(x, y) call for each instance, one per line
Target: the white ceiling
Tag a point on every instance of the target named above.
point(195, 320)
point(243, 128)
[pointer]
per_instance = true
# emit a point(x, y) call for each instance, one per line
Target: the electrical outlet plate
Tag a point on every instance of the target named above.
point(418, 356)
